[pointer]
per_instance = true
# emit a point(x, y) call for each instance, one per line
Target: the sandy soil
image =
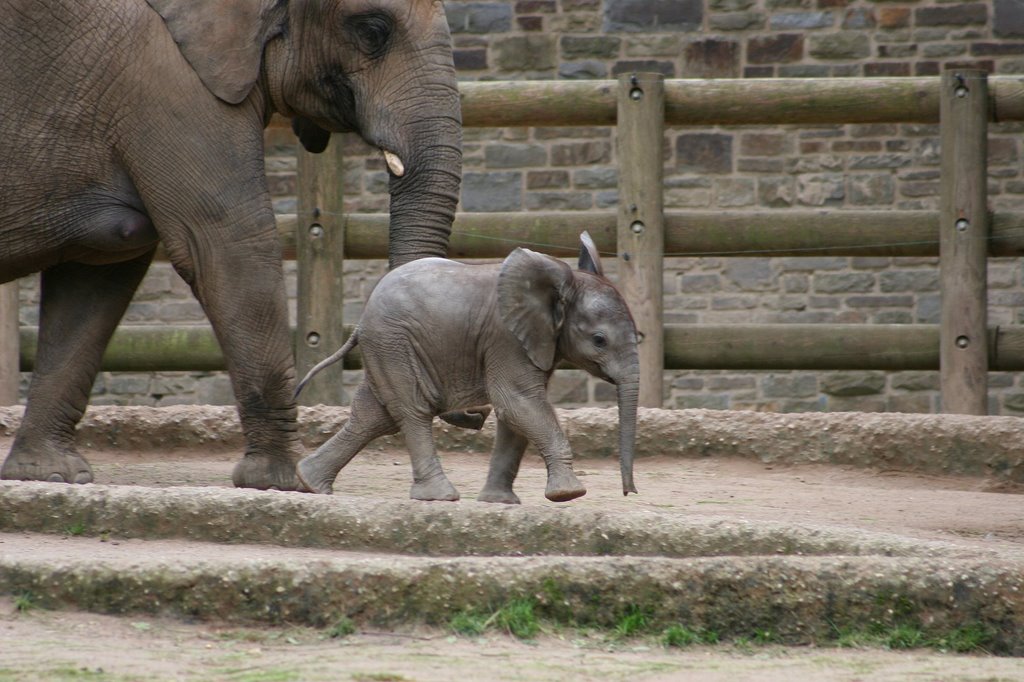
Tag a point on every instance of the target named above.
point(48, 645)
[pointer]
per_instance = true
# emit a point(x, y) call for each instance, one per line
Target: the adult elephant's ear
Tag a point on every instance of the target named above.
point(223, 40)
point(531, 302)
point(314, 139)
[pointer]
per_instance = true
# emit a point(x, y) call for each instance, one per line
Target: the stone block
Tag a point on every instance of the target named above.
point(547, 179)
point(859, 19)
point(653, 15)
point(536, 7)
point(847, 45)
point(568, 387)
point(581, 153)
point(657, 45)
point(781, 48)
point(704, 153)
point(595, 178)
point(750, 274)
point(955, 14)
point(765, 144)
point(737, 21)
point(794, 385)
point(665, 68)
point(893, 17)
point(908, 280)
point(558, 201)
point(479, 17)
point(590, 47)
point(801, 21)
point(588, 69)
point(525, 53)
point(488, 192)
point(735, 192)
point(1009, 18)
point(711, 58)
point(473, 59)
point(821, 190)
point(843, 283)
point(515, 155)
point(531, 24)
point(776, 192)
point(847, 384)
point(871, 190)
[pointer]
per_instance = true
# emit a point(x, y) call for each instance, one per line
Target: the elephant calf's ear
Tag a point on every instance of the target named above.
point(531, 290)
point(590, 259)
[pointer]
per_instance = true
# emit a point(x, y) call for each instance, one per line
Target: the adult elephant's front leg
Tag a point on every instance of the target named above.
point(79, 310)
point(240, 284)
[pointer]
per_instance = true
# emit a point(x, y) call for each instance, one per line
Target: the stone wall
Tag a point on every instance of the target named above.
point(850, 167)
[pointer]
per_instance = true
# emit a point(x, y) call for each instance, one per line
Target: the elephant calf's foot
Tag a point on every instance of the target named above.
point(313, 478)
point(438, 488)
point(498, 495)
point(265, 473)
point(45, 464)
point(564, 486)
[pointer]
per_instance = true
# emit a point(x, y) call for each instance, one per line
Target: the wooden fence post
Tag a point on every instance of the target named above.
point(319, 252)
point(963, 242)
point(10, 371)
point(641, 222)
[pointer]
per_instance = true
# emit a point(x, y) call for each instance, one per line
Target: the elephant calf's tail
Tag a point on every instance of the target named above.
point(349, 344)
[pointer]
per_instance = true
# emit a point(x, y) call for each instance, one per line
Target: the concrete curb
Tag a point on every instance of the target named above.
point(285, 519)
point(933, 444)
point(802, 583)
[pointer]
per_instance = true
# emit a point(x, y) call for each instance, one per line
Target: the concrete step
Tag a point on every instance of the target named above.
point(271, 557)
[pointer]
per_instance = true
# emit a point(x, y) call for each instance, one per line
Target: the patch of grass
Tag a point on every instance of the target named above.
point(468, 623)
point(905, 637)
point(968, 638)
point(343, 627)
point(76, 528)
point(517, 618)
point(681, 636)
point(764, 637)
point(635, 621)
point(24, 602)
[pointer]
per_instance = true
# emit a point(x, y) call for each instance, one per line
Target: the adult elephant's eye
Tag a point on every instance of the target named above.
point(600, 340)
point(372, 33)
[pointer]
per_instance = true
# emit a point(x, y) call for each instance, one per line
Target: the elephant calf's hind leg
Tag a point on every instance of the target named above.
point(509, 446)
point(368, 420)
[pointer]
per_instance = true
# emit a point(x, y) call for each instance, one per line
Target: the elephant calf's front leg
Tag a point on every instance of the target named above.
point(535, 418)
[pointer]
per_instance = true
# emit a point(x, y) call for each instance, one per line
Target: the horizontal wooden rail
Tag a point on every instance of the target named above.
point(726, 101)
point(729, 101)
point(893, 347)
point(689, 233)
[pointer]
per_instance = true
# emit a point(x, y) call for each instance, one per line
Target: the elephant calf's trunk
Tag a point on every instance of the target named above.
point(628, 394)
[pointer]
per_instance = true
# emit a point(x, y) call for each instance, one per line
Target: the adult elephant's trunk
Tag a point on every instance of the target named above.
point(423, 199)
point(628, 393)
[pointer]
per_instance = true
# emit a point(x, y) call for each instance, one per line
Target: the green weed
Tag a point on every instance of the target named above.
point(342, 628)
point(516, 617)
point(634, 622)
point(24, 602)
point(681, 636)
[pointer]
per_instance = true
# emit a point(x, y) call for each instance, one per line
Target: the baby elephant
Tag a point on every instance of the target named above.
point(437, 335)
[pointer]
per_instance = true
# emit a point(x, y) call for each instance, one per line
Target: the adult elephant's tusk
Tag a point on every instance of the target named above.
point(395, 164)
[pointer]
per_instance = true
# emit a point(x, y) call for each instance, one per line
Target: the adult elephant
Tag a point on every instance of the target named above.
point(127, 122)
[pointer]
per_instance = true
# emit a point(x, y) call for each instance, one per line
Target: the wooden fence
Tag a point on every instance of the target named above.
point(962, 233)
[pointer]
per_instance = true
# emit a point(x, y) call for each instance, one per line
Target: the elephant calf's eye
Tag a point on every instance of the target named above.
point(600, 340)
point(372, 33)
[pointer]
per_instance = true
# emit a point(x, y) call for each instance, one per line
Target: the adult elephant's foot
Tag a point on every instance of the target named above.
point(472, 418)
point(314, 477)
point(498, 495)
point(45, 463)
point(263, 472)
point(438, 488)
point(563, 486)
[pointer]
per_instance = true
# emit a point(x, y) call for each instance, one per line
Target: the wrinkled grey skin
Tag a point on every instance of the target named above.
point(438, 335)
point(125, 122)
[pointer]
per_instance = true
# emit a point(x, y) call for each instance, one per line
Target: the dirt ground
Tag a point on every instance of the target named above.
point(46, 645)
